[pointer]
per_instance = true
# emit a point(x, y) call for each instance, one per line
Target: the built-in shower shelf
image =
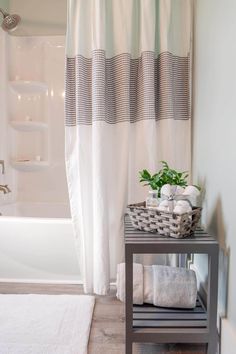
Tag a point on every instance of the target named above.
point(30, 165)
point(28, 87)
point(28, 126)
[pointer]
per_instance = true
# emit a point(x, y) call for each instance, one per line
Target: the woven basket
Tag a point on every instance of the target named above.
point(164, 223)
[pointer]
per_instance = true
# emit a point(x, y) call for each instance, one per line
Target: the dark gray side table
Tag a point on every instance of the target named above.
point(150, 324)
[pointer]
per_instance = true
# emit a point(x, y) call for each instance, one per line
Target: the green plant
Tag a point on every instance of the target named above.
point(166, 175)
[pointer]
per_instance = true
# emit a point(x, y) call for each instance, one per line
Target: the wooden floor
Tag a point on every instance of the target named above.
point(108, 326)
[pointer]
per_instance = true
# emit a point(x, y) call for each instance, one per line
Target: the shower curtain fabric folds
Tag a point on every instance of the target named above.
point(128, 106)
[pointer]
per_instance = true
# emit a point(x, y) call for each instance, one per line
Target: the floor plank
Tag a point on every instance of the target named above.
point(108, 326)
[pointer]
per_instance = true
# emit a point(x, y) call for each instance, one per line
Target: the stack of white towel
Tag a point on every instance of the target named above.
point(182, 198)
point(160, 285)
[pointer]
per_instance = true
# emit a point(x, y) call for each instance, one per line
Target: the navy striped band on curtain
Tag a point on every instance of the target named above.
point(121, 88)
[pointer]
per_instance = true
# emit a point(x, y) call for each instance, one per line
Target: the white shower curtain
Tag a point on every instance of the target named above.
point(128, 106)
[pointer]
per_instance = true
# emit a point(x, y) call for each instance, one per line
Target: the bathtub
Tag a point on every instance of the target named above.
point(37, 244)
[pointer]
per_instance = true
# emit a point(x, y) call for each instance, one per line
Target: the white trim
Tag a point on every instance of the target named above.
point(228, 337)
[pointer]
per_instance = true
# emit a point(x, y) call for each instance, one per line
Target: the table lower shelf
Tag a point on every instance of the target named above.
point(148, 316)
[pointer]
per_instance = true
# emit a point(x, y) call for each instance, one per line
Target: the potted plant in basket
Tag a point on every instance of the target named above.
point(169, 184)
point(168, 209)
point(165, 176)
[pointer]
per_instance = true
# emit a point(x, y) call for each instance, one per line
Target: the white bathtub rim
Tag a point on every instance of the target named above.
point(37, 210)
point(45, 281)
point(27, 219)
point(41, 281)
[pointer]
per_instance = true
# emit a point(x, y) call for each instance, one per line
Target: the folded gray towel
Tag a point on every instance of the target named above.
point(174, 287)
point(160, 285)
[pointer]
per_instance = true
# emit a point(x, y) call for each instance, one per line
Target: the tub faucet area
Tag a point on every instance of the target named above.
point(3, 166)
point(4, 188)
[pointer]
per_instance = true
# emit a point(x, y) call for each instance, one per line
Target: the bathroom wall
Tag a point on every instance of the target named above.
point(39, 18)
point(214, 156)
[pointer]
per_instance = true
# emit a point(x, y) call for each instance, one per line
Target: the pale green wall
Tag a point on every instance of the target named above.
point(4, 4)
point(214, 134)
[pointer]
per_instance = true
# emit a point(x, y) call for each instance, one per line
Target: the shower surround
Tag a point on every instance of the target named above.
point(36, 116)
point(36, 215)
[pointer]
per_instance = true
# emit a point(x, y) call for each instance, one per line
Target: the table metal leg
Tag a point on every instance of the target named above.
point(129, 299)
point(182, 260)
point(128, 346)
point(212, 300)
point(212, 346)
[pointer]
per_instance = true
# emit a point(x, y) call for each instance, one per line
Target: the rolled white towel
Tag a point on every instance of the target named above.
point(184, 203)
point(169, 189)
point(191, 191)
point(179, 190)
point(163, 206)
point(137, 283)
point(166, 190)
point(182, 207)
point(174, 287)
point(166, 205)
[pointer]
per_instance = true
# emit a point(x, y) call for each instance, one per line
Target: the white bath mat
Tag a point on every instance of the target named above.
point(45, 324)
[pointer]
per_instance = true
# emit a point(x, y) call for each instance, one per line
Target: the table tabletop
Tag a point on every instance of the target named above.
point(135, 236)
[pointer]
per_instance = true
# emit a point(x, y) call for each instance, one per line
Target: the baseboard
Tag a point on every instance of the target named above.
point(41, 281)
point(228, 337)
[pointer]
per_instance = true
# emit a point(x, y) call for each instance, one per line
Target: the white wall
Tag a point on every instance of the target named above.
point(214, 157)
point(40, 17)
